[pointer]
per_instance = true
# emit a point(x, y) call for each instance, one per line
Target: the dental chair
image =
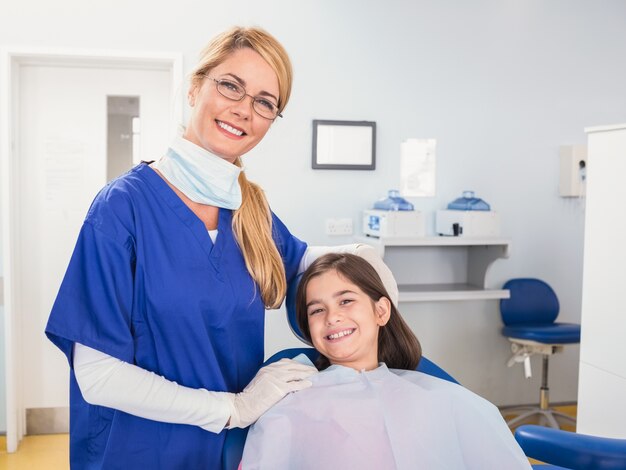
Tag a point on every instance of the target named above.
point(552, 446)
point(529, 323)
point(236, 438)
point(570, 450)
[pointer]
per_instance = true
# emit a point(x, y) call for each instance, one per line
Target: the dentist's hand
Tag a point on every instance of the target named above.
point(268, 386)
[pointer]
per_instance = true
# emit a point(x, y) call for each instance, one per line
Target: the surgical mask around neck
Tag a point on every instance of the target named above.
point(201, 175)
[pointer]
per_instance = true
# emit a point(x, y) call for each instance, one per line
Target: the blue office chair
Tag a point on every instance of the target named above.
point(529, 323)
point(236, 438)
point(570, 450)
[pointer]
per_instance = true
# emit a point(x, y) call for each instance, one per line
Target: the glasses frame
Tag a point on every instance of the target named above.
point(254, 98)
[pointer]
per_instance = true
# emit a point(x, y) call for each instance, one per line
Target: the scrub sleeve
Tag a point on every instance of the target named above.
point(146, 285)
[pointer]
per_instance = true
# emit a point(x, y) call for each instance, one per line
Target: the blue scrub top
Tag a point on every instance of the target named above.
point(146, 284)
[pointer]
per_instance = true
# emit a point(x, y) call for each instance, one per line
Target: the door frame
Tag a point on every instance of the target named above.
point(11, 60)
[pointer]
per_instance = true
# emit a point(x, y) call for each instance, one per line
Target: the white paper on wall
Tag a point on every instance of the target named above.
point(417, 167)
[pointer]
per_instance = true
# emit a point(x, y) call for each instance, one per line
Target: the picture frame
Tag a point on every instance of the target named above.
point(344, 145)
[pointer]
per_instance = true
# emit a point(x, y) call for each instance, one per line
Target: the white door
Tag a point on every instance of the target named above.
point(59, 164)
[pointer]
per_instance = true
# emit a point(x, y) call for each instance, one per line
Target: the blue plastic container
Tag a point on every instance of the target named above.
point(393, 202)
point(468, 203)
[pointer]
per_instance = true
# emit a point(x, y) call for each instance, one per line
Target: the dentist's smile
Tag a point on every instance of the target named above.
point(230, 130)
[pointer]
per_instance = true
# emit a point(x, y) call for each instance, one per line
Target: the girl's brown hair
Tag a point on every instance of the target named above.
point(398, 347)
point(252, 222)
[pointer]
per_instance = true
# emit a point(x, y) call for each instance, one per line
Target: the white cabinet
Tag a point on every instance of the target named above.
point(442, 268)
point(602, 377)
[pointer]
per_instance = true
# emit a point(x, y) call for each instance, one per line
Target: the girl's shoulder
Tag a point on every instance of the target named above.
point(426, 380)
point(442, 387)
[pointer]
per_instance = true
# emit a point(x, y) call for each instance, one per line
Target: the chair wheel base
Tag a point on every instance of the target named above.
point(549, 416)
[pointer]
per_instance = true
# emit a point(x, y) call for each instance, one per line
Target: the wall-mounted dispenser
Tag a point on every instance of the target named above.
point(573, 174)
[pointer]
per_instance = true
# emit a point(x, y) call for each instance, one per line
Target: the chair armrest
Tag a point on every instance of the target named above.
point(233, 448)
point(571, 450)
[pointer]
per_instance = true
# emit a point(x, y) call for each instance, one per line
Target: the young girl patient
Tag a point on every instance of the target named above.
point(368, 408)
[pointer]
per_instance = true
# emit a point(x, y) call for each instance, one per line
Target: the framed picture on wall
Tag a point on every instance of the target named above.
point(344, 145)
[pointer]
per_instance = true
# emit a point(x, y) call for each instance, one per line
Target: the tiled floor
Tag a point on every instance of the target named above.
point(51, 451)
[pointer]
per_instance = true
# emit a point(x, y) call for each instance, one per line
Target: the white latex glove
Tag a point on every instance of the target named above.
point(369, 254)
point(268, 386)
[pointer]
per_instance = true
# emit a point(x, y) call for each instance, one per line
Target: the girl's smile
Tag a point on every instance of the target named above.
point(340, 335)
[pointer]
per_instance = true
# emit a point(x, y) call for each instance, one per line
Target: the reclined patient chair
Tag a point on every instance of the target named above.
point(545, 444)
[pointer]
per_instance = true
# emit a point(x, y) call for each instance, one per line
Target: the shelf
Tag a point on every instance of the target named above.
point(431, 269)
point(382, 243)
point(447, 292)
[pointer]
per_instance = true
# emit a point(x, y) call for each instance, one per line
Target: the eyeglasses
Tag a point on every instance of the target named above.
point(234, 91)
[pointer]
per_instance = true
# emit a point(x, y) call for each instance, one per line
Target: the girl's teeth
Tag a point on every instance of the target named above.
point(340, 334)
point(230, 129)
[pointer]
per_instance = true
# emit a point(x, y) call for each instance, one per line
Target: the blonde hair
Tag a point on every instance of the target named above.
point(261, 42)
point(252, 222)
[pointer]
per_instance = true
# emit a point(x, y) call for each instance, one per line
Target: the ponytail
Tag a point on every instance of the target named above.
point(252, 222)
point(252, 226)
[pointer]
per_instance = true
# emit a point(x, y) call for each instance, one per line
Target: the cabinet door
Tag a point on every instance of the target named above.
point(603, 349)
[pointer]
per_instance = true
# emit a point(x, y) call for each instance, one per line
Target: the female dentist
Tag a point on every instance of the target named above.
point(161, 310)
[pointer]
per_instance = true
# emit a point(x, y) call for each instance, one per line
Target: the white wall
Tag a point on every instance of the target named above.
point(499, 83)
